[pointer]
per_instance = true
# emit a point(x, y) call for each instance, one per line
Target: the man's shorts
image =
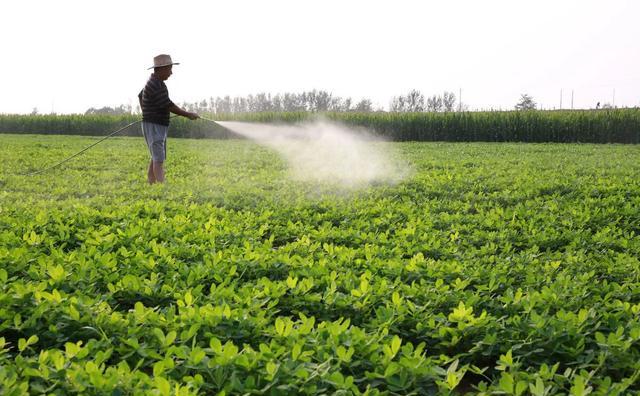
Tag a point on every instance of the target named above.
point(156, 137)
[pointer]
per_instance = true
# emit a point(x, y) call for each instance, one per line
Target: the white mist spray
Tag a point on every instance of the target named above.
point(323, 151)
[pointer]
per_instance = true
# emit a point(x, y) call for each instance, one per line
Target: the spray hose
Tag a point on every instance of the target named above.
point(88, 147)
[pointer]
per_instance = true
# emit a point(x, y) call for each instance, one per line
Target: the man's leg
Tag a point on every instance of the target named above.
point(158, 171)
point(156, 138)
point(151, 178)
point(160, 147)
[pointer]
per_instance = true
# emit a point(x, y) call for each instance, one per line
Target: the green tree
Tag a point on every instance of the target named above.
point(526, 103)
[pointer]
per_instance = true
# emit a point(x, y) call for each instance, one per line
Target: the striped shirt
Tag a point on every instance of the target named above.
point(155, 102)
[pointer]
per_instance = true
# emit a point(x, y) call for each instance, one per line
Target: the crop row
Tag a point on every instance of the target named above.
point(590, 126)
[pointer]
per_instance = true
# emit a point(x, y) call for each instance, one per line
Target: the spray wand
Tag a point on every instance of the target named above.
point(210, 120)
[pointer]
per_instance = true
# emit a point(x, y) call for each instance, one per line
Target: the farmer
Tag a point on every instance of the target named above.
point(156, 106)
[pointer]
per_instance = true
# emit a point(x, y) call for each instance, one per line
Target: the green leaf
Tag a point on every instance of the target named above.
point(396, 299)
point(364, 285)
point(230, 350)
point(73, 313)
point(461, 313)
point(71, 349)
point(188, 298)
point(271, 368)
point(505, 362)
point(32, 340)
point(506, 383)
point(391, 369)
point(279, 324)
point(292, 282)
point(337, 378)
point(521, 387)
point(302, 373)
point(56, 273)
point(196, 355)
point(158, 368)
point(23, 343)
point(396, 342)
point(538, 388)
point(58, 360)
point(344, 354)
point(170, 338)
point(579, 387)
point(215, 345)
point(163, 386)
point(159, 335)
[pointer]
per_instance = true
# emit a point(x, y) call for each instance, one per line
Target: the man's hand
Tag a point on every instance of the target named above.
point(193, 116)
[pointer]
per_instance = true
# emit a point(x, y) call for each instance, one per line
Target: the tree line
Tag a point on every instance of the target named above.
point(321, 101)
point(309, 101)
point(415, 102)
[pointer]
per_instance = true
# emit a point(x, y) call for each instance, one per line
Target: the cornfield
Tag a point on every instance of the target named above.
point(586, 126)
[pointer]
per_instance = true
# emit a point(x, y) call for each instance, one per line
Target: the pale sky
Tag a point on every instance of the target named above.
point(67, 56)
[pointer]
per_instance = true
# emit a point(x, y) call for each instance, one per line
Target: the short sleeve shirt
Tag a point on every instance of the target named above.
point(155, 102)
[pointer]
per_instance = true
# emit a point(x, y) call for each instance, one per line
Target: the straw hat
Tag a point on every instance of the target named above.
point(162, 60)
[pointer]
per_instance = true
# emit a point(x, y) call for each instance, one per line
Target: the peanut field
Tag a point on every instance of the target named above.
point(494, 268)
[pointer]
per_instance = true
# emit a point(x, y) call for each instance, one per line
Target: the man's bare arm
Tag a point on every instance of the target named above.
point(177, 110)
